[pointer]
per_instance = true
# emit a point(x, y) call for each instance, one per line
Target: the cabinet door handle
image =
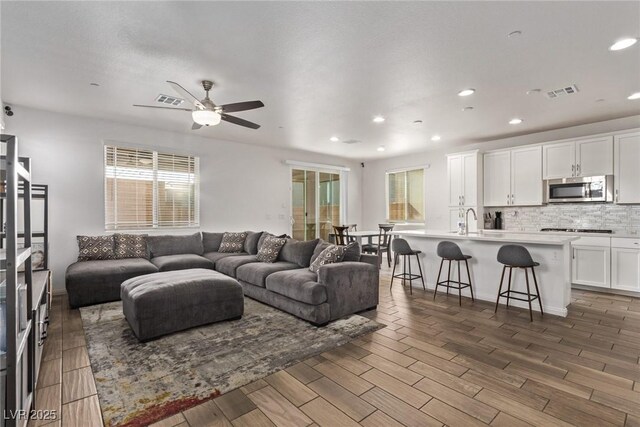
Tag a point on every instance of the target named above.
point(574, 253)
point(616, 195)
point(578, 169)
point(573, 170)
point(463, 200)
point(508, 199)
point(513, 198)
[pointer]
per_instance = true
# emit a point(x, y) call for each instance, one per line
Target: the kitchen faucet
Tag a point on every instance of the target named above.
point(466, 219)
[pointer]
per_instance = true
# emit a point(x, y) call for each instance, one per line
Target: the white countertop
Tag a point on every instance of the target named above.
point(568, 233)
point(493, 236)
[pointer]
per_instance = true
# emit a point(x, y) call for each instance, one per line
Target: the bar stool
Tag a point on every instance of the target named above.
point(402, 249)
point(516, 256)
point(449, 251)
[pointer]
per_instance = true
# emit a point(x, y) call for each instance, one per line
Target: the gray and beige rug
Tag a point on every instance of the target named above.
point(139, 383)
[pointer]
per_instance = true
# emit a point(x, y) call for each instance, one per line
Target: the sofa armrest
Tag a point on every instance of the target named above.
point(370, 259)
point(351, 287)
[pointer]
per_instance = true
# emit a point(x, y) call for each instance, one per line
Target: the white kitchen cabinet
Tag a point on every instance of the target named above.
point(462, 172)
point(591, 265)
point(582, 157)
point(455, 176)
point(627, 168)
point(625, 264)
point(513, 177)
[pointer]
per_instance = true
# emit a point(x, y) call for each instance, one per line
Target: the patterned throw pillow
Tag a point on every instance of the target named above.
point(232, 242)
point(131, 245)
point(95, 248)
point(270, 248)
point(330, 255)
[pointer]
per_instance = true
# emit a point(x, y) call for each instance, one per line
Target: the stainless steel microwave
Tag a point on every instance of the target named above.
point(579, 189)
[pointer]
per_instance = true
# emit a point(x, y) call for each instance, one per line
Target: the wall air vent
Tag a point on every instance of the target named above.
point(568, 90)
point(351, 141)
point(169, 100)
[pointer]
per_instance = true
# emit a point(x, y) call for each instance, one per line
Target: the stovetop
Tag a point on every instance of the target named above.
point(578, 230)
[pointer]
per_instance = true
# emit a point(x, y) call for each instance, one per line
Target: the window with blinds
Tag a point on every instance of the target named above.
point(146, 189)
point(405, 196)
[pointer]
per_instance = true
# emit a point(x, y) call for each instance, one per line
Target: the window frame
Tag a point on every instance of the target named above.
point(155, 195)
point(424, 199)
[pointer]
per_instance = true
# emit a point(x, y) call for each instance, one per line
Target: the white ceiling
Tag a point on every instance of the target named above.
point(325, 69)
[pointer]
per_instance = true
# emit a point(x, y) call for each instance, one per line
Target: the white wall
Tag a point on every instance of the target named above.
point(437, 211)
point(242, 186)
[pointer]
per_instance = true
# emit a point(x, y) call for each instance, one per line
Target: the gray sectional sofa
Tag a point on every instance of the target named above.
point(335, 291)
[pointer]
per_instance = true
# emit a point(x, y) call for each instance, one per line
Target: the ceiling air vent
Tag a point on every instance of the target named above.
point(568, 90)
point(351, 141)
point(169, 100)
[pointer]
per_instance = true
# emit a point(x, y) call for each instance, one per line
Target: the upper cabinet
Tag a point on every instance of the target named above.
point(627, 170)
point(513, 177)
point(462, 172)
point(584, 157)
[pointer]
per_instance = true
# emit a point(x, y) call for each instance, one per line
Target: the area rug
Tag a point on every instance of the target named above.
point(139, 383)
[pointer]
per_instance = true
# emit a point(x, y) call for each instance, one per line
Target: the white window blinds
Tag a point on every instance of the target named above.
point(147, 189)
point(405, 196)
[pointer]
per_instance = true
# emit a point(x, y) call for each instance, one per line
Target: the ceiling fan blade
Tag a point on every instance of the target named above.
point(195, 126)
point(239, 121)
point(164, 108)
point(188, 96)
point(242, 106)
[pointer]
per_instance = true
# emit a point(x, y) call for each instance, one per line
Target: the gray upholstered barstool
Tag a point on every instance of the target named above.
point(449, 251)
point(402, 249)
point(516, 256)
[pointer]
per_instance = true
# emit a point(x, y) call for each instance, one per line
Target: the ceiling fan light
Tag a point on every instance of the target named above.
point(206, 117)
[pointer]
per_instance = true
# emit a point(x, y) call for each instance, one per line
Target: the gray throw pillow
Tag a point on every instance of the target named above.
point(298, 252)
point(270, 249)
point(130, 245)
point(96, 248)
point(352, 252)
point(330, 255)
point(233, 242)
point(251, 243)
point(211, 241)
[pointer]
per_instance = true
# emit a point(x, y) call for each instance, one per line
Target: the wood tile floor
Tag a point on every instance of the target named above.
point(435, 363)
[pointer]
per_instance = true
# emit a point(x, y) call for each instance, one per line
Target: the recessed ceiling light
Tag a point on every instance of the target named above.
point(334, 139)
point(466, 92)
point(94, 84)
point(378, 119)
point(634, 96)
point(467, 109)
point(514, 33)
point(417, 122)
point(435, 138)
point(623, 44)
point(381, 148)
point(600, 100)
point(533, 91)
point(515, 121)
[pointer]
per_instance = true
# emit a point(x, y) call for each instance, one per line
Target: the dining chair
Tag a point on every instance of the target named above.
point(341, 233)
point(383, 245)
point(353, 227)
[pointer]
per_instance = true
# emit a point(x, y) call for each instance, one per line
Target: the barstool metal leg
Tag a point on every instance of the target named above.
point(526, 276)
point(504, 268)
point(448, 276)
point(459, 286)
point(509, 285)
point(421, 275)
point(535, 282)
point(435, 291)
point(410, 276)
point(404, 271)
point(393, 272)
point(469, 277)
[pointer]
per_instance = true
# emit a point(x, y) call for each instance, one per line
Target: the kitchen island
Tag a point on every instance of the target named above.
point(553, 252)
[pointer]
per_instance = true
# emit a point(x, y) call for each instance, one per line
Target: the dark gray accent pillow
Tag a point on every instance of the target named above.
point(353, 252)
point(96, 247)
point(298, 252)
point(251, 243)
point(211, 241)
point(174, 245)
point(330, 255)
point(321, 246)
point(130, 245)
point(270, 249)
point(233, 242)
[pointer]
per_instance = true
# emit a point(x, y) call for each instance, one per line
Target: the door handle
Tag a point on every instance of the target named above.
point(578, 169)
point(508, 199)
point(513, 198)
point(573, 170)
point(574, 253)
point(616, 195)
point(462, 200)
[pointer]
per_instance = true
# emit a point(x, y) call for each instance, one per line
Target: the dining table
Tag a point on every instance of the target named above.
point(359, 236)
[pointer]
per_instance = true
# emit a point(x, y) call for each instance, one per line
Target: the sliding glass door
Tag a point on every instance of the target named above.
point(315, 203)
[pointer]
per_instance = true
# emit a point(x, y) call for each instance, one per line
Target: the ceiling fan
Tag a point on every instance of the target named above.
point(206, 113)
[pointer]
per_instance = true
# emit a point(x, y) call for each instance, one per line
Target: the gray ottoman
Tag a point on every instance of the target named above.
point(161, 303)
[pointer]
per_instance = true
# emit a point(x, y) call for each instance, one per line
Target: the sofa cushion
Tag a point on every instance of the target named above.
point(181, 262)
point(331, 255)
point(353, 252)
point(270, 249)
point(256, 273)
point(92, 248)
point(174, 245)
point(228, 265)
point(298, 252)
point(251, 242)
point(211, 241)
point(233, 242)
point(300, 285)
point(321, 246)
point(130, 245)
point(93, 282)
point(217, 256)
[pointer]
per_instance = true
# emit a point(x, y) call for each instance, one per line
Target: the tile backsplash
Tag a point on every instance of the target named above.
point(622, 219)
